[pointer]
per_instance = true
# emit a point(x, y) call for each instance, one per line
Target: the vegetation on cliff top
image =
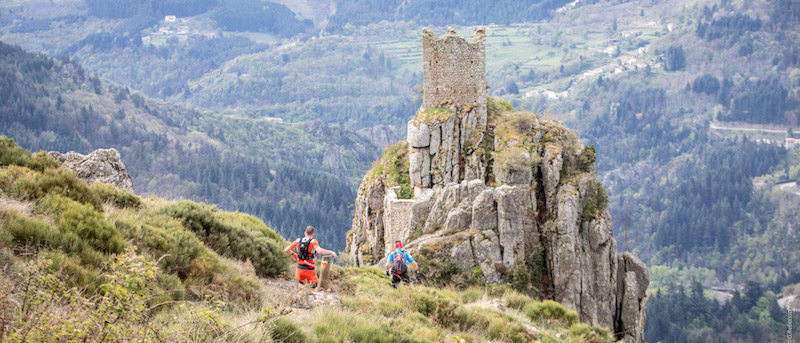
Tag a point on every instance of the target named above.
point(392, 169)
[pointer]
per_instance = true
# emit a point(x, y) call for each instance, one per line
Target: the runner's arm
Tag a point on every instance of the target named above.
point(289, 251)
point(413, 262)
point(320, 250)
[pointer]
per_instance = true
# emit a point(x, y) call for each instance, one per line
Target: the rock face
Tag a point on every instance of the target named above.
point(503, 197)
point(101, 165)
point(379, 135)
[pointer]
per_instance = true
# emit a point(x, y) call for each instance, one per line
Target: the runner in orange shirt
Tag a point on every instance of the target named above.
point(307, 247)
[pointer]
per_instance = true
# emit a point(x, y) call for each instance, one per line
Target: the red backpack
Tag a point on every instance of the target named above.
point(399, 265)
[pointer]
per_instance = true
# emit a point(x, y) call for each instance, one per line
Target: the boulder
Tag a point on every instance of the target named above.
point(101, 165)
point(419, 135)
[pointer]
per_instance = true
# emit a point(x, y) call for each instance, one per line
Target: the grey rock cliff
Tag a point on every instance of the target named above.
point(504, 196)
point(101, 165)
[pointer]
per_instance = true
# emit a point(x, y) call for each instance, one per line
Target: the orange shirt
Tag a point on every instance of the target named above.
point(309, 263)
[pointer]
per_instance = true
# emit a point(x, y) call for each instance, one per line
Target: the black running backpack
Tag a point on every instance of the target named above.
point(399, 266)
point(302, 249)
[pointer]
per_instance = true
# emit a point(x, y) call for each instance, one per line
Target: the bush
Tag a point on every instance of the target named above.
point(34, 186)
point(528, 274)
point(13, 155)
point(285, 331)
point(516, 300)
point(436, 306)
point(440, 270)
point(550, 311)
point(48, 310)
point(497, 106)
point(92, 227)
point(596, 202)
point(393, 168)
point(590, 334)
point(83, 221)
point(115, 196)
point(587, 158)
point(180, 252)
point(472, 295)
point(21, 231)
point(236, 241)
point(494, 324)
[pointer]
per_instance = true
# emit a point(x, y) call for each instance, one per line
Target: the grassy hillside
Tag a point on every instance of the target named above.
point(99, 263)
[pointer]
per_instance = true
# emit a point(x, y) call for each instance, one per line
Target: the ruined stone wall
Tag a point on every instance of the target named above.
point(454, 70)
point(396, 219)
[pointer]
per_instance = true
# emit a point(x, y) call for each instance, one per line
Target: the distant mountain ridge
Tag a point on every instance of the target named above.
point(291, 175)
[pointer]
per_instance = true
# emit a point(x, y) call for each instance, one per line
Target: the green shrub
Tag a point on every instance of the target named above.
point(516, 300)
point(393, 169)
point(584, 333)
point(362, 280)
point(472, 295)
point(436, 306)
point(91, 226)
point(34, 186)
point(37, 234)
point(440, 270)
point(249, 223)
point(179, 251)
point(115, 196)
point(233, 241)
point(285, 331)
point(550, 311)
point(596, 202)
point(586, 158)
point(497, 106)
point(527, 274)
point(494, 324)
point(75, 274)
point(11, 154)
point(389, 308)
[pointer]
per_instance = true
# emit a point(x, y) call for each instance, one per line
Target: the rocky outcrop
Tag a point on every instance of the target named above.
point(332, 160)
point(101, 165)
point(379, 135)
point(502, 196)
point(365, 241)
point(536, 208)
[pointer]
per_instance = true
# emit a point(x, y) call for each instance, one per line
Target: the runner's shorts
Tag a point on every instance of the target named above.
point(307, 275)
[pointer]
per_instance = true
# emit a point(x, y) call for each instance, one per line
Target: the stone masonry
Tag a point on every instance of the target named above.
point(446, 132)
point(397, 220)
point(454, 70)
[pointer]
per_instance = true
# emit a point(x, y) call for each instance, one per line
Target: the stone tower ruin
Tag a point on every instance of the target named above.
point(444, 133)
point(454, 70)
